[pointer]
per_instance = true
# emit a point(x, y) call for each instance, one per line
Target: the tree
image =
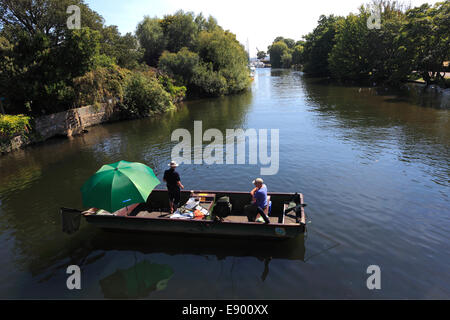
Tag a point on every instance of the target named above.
point(278, 39)
point(204, 24)
point(41, 56)
point(286, 60)
point(318, 45)
point(45, 66)
point(227, 56)
point(349, 58)
point(218, 65)
point(48, 17)
point(144, 95)
point(261, 55)
point(151, 37)
point(427, 33)
point(180, 30)
point(276, 51)
point(375, 55)
point(290, 43)
point(123, 49)
point(180, 65)
point(297, 55)
point(221, 49)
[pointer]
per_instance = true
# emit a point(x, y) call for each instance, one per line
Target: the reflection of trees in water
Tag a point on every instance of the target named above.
point(18, 178)
point(149, 140)
point(279, 72)
point(377, 121)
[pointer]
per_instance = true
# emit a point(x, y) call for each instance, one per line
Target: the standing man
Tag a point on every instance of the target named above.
point(259, 195)
point(172, 179)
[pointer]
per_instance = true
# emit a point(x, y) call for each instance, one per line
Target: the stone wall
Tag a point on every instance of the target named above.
point(71, 122)
point(15, 143)
point(66, 123)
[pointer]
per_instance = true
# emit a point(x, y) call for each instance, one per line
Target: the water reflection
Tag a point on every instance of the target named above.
point(279, 72)
point(384, 122)
point(137, 281)
point(293, 249)
point(90, 244)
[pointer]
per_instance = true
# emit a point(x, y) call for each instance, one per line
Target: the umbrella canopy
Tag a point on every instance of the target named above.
point(119, 184)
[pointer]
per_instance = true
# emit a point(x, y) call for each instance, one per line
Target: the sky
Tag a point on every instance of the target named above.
point(258, 22)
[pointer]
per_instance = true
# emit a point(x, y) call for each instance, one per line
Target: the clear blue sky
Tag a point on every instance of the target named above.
point(258, 21)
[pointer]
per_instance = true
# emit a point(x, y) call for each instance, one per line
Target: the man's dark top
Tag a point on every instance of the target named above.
point(172, 177)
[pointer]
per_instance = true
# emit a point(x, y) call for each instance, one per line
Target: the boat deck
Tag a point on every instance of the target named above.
point(239, 219)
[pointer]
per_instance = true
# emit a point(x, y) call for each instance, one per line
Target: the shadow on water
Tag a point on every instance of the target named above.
point(137, 281)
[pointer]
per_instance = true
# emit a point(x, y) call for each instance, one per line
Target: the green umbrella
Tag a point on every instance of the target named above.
point(119, 184)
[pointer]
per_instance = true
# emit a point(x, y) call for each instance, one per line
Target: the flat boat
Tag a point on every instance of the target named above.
point(153, 216)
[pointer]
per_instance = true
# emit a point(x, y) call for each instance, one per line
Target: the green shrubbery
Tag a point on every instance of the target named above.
point(177, 92)
point(144, 95)
point(285, 53)
point(11, 126)
point(187, 69)
point(99, 85)
point(207, 82)
point(139, 92)
point(47, 68)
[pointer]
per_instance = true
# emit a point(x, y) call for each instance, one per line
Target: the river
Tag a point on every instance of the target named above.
point(374, 171)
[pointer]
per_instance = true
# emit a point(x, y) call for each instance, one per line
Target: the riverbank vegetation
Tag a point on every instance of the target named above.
point(45, 67)
point(13, 125)
point(410, 43)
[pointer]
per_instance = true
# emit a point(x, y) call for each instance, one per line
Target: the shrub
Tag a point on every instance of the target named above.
point(13, 125)
point(144, 95)
point(100, 84)
point(176, 92)
point(208, 82)
point(204, 78)
point(179, 65)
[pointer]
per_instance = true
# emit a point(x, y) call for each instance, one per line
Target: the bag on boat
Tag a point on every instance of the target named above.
point(296, 206)
point(222, 207)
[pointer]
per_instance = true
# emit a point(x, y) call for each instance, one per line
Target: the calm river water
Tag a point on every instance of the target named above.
point(374, 170)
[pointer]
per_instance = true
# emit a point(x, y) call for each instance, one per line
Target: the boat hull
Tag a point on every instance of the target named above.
point(198, 228)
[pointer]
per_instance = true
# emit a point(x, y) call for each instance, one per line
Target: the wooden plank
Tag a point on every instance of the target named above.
point(153, 214)
point(240, 219)
point(289, 220)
